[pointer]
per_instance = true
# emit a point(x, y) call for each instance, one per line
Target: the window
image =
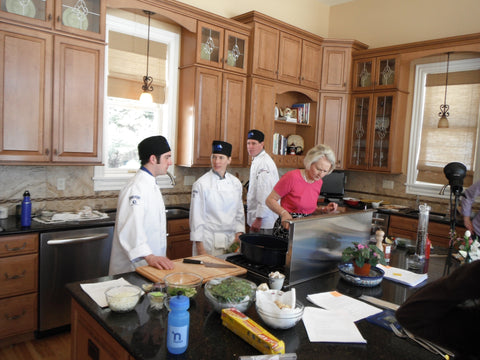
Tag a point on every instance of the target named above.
point(432, 148)
point(126, 120)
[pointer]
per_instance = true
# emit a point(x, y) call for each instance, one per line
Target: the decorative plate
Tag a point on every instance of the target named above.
point(296, 140)
point(373, 279)
point(21, 7)
point(75, 19)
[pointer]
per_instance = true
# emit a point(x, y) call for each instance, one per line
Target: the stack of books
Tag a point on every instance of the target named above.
point(279, 144)
point(303, 112)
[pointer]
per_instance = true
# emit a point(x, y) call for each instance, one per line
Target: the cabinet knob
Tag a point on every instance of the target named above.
point(47, 151)
point(55, 152)
point(58, 18)
point(49, 17)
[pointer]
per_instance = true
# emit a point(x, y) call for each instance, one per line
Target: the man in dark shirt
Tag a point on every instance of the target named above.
point(447, 312)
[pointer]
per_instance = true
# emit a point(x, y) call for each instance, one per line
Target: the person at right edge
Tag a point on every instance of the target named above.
point(298, 190)
point(472, 224)
point(447, 312)
point(263, 177)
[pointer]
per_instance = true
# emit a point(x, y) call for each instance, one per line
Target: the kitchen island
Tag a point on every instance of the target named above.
point(141, 333)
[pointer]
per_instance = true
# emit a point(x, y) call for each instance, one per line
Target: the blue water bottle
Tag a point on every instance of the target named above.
point(26, 216)
point(178, 324)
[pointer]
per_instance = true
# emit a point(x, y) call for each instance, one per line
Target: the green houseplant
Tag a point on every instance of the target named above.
point(363, 257)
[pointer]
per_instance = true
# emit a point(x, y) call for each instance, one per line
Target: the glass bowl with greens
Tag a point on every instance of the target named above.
point(186, 283)
point(229, 292)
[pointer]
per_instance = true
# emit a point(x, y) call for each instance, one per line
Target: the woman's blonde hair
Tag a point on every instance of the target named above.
point(316, 153)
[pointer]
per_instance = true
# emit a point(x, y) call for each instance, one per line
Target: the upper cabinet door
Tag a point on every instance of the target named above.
point(210, 45)
point(311, 65)
point(81, 17)
point(289, 58)
point(236, 52)
point(34, 12)
point(25, 110)
point(266, 44)
point(78, 101)
point(336, 68)
point(358, 151)
point(375, 74)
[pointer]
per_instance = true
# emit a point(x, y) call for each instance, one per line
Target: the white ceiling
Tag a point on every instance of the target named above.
point(334, 2)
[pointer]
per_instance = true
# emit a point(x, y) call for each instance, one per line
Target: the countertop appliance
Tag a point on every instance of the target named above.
point(68, 256)
point(315, 246)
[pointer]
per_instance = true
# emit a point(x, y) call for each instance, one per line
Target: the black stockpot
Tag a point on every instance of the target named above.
point(264, 249)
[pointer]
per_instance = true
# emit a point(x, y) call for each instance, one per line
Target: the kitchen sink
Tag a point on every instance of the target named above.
point(431, 215)
point(175, 212)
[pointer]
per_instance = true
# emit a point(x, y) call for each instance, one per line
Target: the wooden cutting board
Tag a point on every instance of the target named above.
point(208, 273)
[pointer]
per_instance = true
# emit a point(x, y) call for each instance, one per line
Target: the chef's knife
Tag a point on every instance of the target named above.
point(207, 264)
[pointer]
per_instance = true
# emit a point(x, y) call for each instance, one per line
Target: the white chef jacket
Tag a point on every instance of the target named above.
point(140, 225)
point(263, 177)
point(216, 212)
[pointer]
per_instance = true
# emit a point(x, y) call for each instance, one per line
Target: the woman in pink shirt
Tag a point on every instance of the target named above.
point(298, 190)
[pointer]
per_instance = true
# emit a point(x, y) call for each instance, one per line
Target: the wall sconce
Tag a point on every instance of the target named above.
point(443, 121)
point(146, 96)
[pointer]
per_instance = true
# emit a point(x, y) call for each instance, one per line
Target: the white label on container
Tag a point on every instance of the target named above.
point(177, 336)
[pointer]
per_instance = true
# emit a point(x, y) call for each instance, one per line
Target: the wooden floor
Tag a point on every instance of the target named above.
point(55, 347)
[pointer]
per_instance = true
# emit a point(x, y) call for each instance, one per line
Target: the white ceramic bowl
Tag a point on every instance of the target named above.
point(219, 293)
point(123, 298)
point(283, 320)
point(187, 283)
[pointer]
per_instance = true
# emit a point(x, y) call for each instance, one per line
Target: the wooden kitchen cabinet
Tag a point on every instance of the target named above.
point(216, 46)
point(83, 18)
point(438, 233)
point(178, 240)
point(336, 68)
point(54, 114)
point(212, 109)
point(332, 124)
point(283, 52)
point(375, 132)
point(18, 287)
point(91, 341)
point(376, 73)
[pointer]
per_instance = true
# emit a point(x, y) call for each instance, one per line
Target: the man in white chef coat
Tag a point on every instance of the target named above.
point(217, 216)
point(263, 177)
point(140, 236)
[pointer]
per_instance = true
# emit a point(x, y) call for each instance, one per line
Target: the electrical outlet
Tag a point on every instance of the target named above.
point(388, 184)
point(188, 180)
point(61, 184)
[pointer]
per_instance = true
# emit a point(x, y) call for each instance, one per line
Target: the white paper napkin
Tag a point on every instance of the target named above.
point(97, 290)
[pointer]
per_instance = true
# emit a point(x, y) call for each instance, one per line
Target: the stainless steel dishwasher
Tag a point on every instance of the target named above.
point(68, 256)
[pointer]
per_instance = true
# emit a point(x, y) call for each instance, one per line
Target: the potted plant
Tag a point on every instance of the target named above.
point(363, 257)
point(469, 247)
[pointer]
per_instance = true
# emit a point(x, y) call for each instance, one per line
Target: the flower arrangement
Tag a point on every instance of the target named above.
point(469, 247)
point(363, 254)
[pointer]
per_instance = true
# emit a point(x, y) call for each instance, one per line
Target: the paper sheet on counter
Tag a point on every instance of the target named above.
point(97, 290)
point(402, 276)
point(333, 300)
point(330, 326)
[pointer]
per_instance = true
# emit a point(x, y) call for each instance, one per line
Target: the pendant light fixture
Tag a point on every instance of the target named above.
point(443, 121)
point(147, 87)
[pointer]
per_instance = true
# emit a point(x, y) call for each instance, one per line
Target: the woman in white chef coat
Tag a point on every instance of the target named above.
point(217, 216)
point(140, 227)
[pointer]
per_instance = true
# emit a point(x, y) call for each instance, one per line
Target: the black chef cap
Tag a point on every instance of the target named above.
point(221, 147)
point(153, 145)
point(256, 135)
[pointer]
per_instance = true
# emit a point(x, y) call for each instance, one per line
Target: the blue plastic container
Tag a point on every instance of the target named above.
point(26, 215)
point(178, 324)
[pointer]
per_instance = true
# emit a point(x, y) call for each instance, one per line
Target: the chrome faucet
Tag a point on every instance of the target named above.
point(172, 179)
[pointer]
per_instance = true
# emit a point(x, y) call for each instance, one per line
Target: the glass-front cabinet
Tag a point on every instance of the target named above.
point(221, 48)
point(370, 132)
point(81, 17)
point(375, 73)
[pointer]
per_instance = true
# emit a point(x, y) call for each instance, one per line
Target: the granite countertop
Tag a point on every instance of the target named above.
point(12, 226)
point(209, 339)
